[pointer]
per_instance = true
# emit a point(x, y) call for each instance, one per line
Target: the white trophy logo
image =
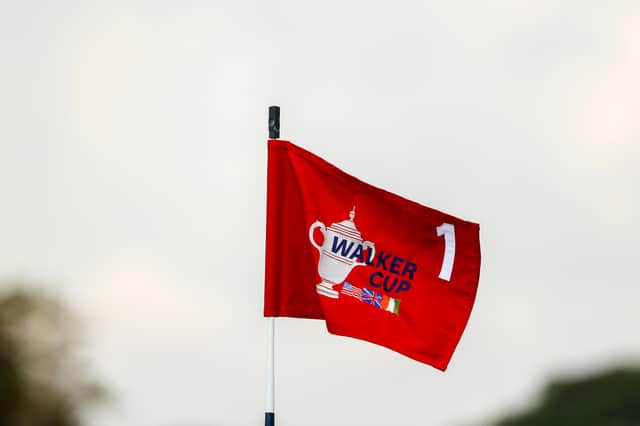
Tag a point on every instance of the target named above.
point(339, 253)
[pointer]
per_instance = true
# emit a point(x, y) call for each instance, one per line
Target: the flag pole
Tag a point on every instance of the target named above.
point(269, 415)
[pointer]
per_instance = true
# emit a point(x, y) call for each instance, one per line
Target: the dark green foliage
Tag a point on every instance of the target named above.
point(41, 382)
point(608, 399)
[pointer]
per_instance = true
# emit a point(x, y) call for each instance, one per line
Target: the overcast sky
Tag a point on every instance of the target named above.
point(132, 183)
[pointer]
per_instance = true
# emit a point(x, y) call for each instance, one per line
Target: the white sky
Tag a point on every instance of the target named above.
point(132, 177)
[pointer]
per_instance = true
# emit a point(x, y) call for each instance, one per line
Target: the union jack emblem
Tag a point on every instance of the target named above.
point(372, 298)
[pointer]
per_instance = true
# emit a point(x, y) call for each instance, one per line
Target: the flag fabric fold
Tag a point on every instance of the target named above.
point(375, 266)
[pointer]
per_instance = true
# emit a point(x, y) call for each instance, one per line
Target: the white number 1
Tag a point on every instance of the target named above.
point(449, 233)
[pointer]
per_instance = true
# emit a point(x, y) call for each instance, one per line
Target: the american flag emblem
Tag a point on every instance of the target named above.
point(351, 290)
point(371, 297)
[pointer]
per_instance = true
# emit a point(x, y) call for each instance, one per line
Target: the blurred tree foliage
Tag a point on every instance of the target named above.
point(611, 398)
point(42, 381)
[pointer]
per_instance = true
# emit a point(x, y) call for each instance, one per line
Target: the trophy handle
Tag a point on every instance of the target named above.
point(323, 229)
point(370, 245)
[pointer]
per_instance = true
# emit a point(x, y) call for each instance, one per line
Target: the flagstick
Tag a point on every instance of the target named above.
point(269, 415)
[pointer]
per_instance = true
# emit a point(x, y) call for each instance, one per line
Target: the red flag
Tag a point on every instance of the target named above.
point(374, 265)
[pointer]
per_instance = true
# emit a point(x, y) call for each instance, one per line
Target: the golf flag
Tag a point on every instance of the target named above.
point(375, 266)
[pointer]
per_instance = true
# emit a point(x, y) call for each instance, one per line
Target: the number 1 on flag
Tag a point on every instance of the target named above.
point(449, 233)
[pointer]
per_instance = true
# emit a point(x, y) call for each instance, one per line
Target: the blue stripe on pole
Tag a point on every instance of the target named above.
point(269, 419)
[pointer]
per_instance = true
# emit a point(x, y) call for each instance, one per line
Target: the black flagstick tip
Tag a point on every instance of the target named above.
point(274, 122)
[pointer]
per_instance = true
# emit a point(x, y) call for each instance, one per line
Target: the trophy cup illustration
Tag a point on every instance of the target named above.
point(339, 253)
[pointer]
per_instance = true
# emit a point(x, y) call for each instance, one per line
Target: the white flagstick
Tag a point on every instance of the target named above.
point(270, 408)
point(269, 415)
